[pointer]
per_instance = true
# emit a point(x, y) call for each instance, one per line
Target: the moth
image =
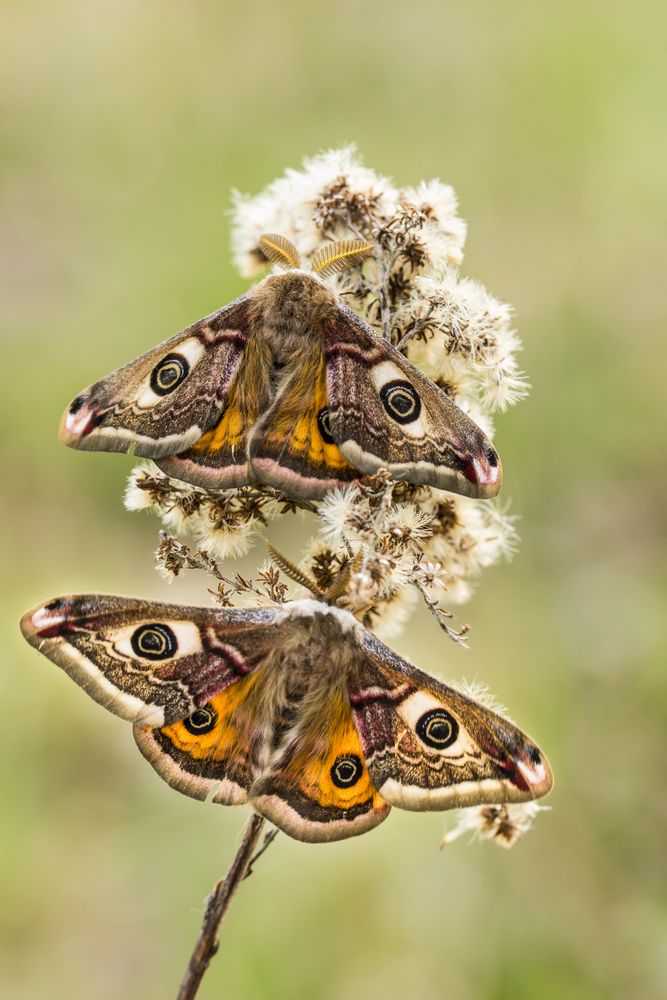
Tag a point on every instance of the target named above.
point(285, 386)
point(295, 709)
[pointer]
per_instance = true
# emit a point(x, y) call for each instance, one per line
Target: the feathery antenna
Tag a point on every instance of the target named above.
point(279, 250)
point(333, 258)
point(341, 583)
point(294, 573)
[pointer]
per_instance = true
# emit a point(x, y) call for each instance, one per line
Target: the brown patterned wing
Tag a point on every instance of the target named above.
point(162, 402)
point(187, 677)
point(151, 663)
point(218, 460)
point(214, 751)
point(384, 413)
point(292, 448)
point(427, 746)
point(317, 787)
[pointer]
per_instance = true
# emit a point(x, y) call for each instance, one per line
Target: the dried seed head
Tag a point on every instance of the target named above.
point(409, 539)
point(503, 824)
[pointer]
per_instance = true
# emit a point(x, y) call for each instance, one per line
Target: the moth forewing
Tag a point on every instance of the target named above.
point(385, 413)
point(429, 747)
point(166, 399)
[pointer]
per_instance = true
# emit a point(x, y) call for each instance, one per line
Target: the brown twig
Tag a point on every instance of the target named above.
point(268, 840)
point(217, 905)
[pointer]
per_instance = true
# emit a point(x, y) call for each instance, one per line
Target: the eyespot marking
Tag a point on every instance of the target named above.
point(169, 373)
point(437, 729)
point(201, 721)
point(401, 401)
point(154, 642)
point(324, 425)
point(346, 771)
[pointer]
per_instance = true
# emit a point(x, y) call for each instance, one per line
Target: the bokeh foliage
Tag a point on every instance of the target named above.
point(124, 126)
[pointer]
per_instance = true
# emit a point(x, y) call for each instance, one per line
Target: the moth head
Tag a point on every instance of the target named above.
point(297, 301)
point(331, 258)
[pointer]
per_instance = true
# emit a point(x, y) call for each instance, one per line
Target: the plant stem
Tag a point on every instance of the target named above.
point(217, 905)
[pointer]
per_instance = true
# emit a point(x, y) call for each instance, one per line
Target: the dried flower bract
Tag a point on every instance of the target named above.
point(411, 541)
point(502, 824)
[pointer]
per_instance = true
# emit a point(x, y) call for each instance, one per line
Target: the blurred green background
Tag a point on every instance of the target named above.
point(124, 127)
